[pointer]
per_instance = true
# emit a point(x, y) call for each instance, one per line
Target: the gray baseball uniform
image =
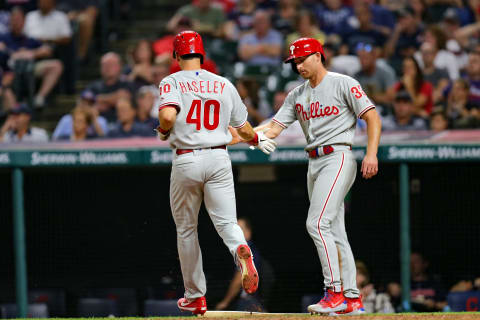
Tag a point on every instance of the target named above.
point(327, 114)
point(206, 105)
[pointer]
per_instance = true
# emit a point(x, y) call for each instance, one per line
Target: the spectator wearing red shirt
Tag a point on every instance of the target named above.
point(420, 90)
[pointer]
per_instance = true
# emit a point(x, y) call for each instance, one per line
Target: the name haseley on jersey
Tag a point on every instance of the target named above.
point(202, 86)
point(317, 110)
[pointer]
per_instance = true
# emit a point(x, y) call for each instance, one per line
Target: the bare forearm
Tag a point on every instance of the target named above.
point(374, 128)
point(246, 132)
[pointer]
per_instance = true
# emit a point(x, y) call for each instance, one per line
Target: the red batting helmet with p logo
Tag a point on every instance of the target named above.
point(188, 42)
point(304, 47)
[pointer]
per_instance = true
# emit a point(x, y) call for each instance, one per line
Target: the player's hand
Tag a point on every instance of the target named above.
point(369, 166)
point(162, 134)
point(265, 144)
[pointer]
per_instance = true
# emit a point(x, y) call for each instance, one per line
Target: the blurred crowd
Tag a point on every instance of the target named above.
point(418, 60)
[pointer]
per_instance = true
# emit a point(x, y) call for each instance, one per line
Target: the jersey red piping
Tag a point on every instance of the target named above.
point(321, 214)
point(280, 124)
point(365, 110)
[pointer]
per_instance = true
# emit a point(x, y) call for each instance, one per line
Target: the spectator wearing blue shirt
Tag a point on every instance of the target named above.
point(332, 16)
point(264, 45)
point(360, 29)
point(97, 127)
point(23, 51)
point(127, 126)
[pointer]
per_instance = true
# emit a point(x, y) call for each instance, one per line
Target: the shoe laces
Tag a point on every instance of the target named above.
point(327, 296)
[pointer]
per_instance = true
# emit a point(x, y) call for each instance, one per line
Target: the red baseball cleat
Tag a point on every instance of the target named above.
point(354, 307)
point(331, 302)
point(249, 272)
point(197, 306)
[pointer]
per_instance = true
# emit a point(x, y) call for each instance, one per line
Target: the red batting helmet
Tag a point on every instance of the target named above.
point(188, 42)
point(304, 47)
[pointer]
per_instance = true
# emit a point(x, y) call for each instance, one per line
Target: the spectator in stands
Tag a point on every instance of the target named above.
point(48, 25)
point(4, 20)
point(438, 120)
point(437, 77)
point(111, 87)
point(264, 45)
point(284, 18)
point(404, 117)
point(472, 284)
point(84, 13)
point(382, 18)
point(82, 120)
point(248, 91)
point(163, 47)
point(453, 32)
point(240, 20)
point(236, 298)
point(373, 302)
point(145, 100)
point(427, 292)
point(420, 90)
point(461, 112)
point(206, 19)
point(24, 51)
point(405, 38)
point(98, 126)
point(17, 127)
point(443, 58)
point(126, 125)
point(7, 96)
point(394, 291)
point(332, 16)
point(305, 27)
point(473, 76)
point(374, 78)
point(361, 29)
point(141, 65)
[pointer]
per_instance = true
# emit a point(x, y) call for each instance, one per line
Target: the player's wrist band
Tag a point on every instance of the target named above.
point(254, 141)
point(162, 131)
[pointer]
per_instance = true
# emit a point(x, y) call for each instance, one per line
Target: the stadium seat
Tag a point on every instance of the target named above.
point(93, 307)
point(154, 308)
point(464, 301)
point(126, 298)
point(310, 299)
point(35, 310)
point(54, 298)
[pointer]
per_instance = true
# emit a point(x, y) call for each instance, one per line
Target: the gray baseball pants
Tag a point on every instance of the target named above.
point(202, 175)
point(330, 177)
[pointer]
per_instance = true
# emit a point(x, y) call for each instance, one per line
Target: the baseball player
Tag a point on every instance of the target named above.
point(195, 112)
point(327, 106)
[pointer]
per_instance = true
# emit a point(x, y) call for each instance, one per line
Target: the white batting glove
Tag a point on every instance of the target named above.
point(162, 134)
point(263, 143)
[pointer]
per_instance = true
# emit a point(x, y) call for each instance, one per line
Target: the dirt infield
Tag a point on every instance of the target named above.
point(439, 316)
point(400, 316)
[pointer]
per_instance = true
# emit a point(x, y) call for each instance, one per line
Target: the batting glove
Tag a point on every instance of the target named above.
point(162, 134)
point(263, 143)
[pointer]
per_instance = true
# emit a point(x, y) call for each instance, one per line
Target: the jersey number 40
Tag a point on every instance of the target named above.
point(195, 113)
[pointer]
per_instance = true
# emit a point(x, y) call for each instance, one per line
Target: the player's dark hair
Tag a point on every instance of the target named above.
point(191, 56)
